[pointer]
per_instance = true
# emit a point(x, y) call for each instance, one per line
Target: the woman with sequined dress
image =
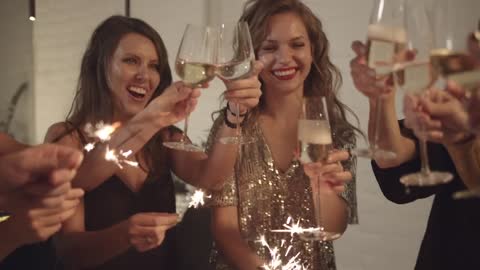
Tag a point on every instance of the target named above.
point(268, 184)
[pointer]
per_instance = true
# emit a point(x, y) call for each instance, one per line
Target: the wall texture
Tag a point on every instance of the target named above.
point(16, 68)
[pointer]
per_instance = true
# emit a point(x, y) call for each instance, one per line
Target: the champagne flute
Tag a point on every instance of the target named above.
point(234, 60)
point(385, 40)
point(195, 65)
point(315, 142)
point(414, 76)
point(450, 58)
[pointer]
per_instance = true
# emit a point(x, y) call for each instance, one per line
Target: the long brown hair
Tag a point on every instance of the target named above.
point(324, 78)
point(93, 99)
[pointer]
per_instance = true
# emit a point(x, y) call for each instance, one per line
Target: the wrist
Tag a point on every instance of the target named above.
point(466, 139)
point(241, 114)
point(231, 120)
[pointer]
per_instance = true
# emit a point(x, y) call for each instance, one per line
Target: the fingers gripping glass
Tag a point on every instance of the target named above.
point(195, 65)
point(414, 76)
point(315, 142)
point(234, 60)
point(385, 40)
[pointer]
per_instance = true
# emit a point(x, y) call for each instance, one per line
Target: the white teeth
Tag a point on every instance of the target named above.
point(137, 90)
point(284, 73)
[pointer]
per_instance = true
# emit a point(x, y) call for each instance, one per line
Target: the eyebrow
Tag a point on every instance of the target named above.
point(293, 39)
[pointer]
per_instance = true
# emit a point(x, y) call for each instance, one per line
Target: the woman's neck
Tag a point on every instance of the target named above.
point(286, 107)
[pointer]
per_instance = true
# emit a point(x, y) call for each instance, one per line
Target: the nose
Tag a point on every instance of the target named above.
point(284, 55)
point(142, 73)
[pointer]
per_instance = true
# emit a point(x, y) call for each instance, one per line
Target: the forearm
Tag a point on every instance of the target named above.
point(334, 212)
point(466, 158)
point(386, 132)
point(101, 245)
point(130, 137)
point(10, 240)
point(211, 172)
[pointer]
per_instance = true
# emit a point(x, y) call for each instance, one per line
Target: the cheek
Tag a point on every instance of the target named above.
point(267, 60)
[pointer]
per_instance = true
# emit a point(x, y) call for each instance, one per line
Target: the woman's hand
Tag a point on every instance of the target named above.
point(436, 116)
point(43, 216)
point(147, 230)
point(246, 92)
point(331, 173)
point(365, 78)
point(174, 104)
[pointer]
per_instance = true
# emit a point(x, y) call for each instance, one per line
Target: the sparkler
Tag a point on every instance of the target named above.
point(103, 132)
point(197, 199)
point(293, 227)
point(276, 262)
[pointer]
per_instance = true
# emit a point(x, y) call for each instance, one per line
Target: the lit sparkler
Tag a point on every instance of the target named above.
point(293, 227)
point(198, 199)
point(110, 155)
point(276, 262)
point(103, 132)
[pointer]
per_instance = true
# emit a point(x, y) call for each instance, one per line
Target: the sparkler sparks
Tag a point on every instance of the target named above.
point(293, 227)
point(197, 199)
point(276, 262)
point(103, 132)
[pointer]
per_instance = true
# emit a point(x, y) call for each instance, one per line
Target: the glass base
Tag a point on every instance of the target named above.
point(237, 140)
point(432, 178)
point(183, 146)
point(467, 194)
point(319, 235)
point(377, 154)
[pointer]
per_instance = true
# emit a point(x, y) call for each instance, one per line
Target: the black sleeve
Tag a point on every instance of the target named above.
point(389, 179)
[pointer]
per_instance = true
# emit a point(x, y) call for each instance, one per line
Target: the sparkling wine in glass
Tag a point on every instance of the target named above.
point(386, 41)
point(195, 66)
point(315, 142)
point(414, 75)
point(234, 60)
point(450, 57)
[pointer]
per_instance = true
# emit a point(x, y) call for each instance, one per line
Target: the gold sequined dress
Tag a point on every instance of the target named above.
point(266, 198)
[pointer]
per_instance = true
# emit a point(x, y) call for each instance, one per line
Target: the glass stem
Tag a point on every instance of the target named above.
point(425, 170)
point(185, 128)
point(237, 120)
point(316, 201)
point(376, 125)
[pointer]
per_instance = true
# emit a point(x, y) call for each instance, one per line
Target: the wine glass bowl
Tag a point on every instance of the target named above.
point(385, 42)
point(234, 60)
point(195, 65)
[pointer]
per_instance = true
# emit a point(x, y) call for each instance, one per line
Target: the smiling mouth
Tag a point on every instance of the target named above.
point(285, 74)
point(137, 93)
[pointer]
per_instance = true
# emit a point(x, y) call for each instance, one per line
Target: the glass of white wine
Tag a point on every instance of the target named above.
point(414, 75)
point(234, 60)
point(195, 65)
point(450, 58)
point(386, 39)
point(315, 142)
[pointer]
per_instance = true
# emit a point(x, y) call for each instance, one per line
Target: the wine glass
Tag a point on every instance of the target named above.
point(385, 39)
point(195, 65)
point(315, 142)
point(450, 58)
point(414, 75)
point(234, 60)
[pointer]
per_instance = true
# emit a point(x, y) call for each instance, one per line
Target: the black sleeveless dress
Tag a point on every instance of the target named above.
point(113, 202)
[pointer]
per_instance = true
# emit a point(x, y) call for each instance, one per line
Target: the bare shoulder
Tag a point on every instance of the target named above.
point(64, 134)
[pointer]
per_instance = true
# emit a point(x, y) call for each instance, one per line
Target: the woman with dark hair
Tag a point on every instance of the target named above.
point(269, 184)
point(126, 214)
